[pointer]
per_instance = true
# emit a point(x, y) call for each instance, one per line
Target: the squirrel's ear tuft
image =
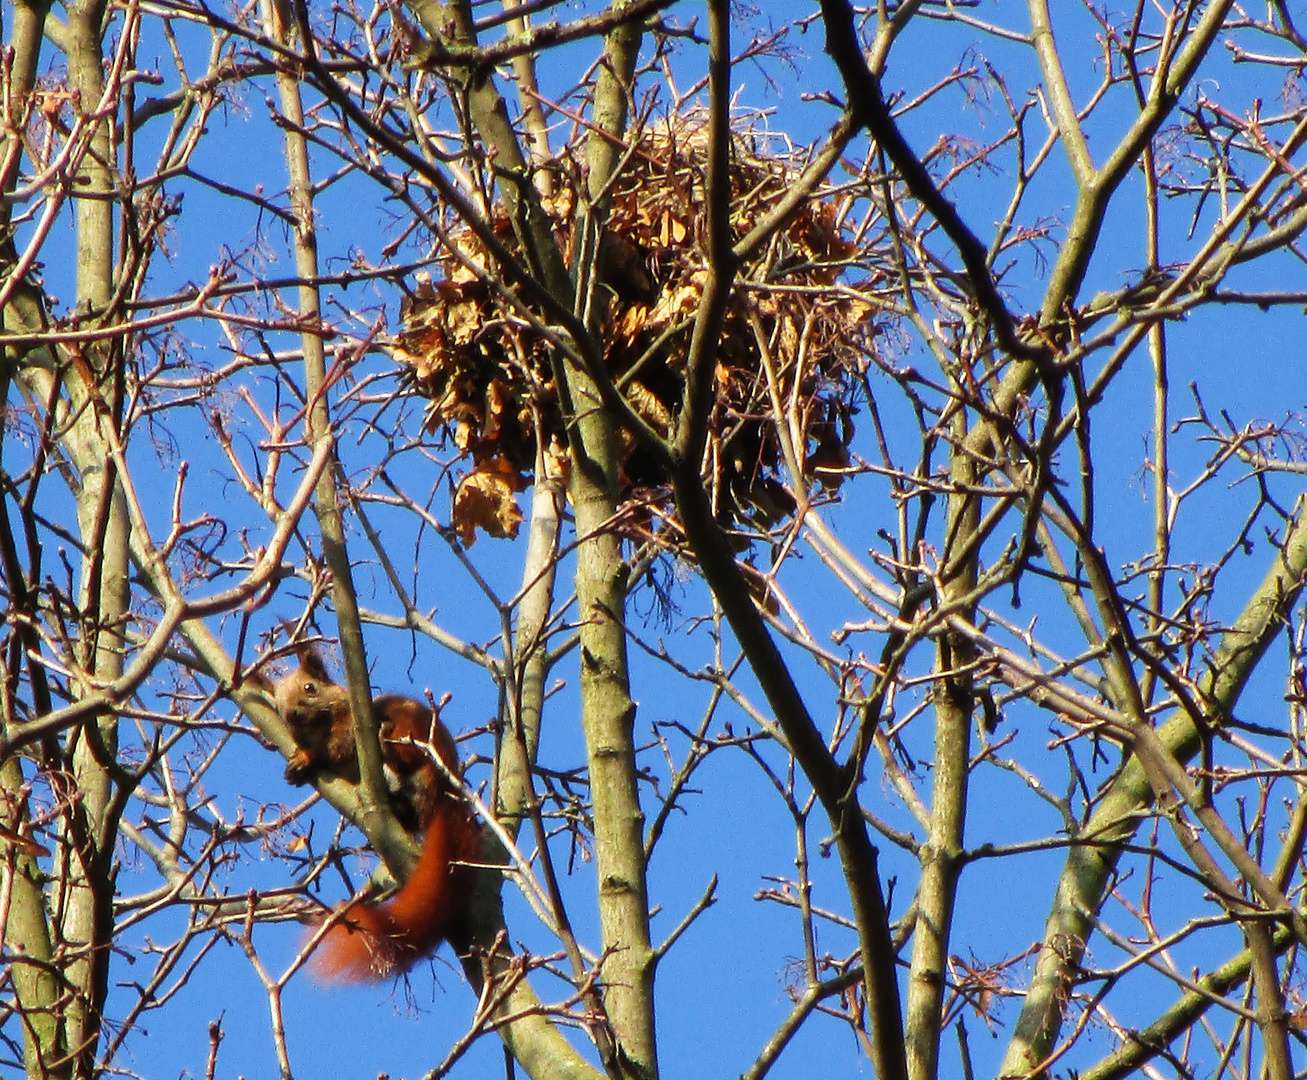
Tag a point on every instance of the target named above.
point(311, 661)
point(259, 679)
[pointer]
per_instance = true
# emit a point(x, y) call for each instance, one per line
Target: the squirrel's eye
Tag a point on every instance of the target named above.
point(309, 688)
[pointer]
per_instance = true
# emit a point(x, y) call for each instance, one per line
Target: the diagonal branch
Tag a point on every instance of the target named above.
point(858, 856)
point(868, 105)
point(1084, 879)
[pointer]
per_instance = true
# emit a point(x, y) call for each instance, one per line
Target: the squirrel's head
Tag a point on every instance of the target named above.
point(307, 695)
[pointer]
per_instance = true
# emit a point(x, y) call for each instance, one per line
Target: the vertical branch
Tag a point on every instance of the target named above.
point(1272, 1019)
point(607, 708)
point(1173, 72)
point(601, 587)
point(104, 593)
point(608, 713)
point(37, 986)
point(318, 429)
point(953, 696)
point(452, 20)
point(1161, 408)
point(527, 667)
point(526, 670)
point(528, 96)
point(692, 429)
point(27, 926)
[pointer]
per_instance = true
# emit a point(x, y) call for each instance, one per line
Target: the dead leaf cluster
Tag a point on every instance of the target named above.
point(791, 355)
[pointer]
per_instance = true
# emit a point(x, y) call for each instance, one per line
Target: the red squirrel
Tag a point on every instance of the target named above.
point(369, 940)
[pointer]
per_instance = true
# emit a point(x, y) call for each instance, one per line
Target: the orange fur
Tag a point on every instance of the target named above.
point(372, 941)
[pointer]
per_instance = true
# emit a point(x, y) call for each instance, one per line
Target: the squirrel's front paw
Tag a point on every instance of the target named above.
point(298, 767)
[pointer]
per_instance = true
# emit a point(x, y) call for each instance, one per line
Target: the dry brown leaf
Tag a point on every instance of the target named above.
point(560, 461)
point(496, 403)
point(631, 322)
point(463, 320)
point(484, 500)
point(649, 408)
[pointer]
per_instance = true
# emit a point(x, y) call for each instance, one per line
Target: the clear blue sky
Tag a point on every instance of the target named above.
point(722, 990)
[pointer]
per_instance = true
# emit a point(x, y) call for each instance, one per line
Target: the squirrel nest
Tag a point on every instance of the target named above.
point(792, 352)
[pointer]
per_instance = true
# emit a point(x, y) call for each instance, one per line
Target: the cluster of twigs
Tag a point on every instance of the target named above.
point(796, 337)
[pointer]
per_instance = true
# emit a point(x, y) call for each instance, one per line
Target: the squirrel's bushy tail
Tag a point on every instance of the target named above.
point(374, 941)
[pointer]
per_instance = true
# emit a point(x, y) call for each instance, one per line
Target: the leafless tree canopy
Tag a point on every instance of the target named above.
point(844, 465)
